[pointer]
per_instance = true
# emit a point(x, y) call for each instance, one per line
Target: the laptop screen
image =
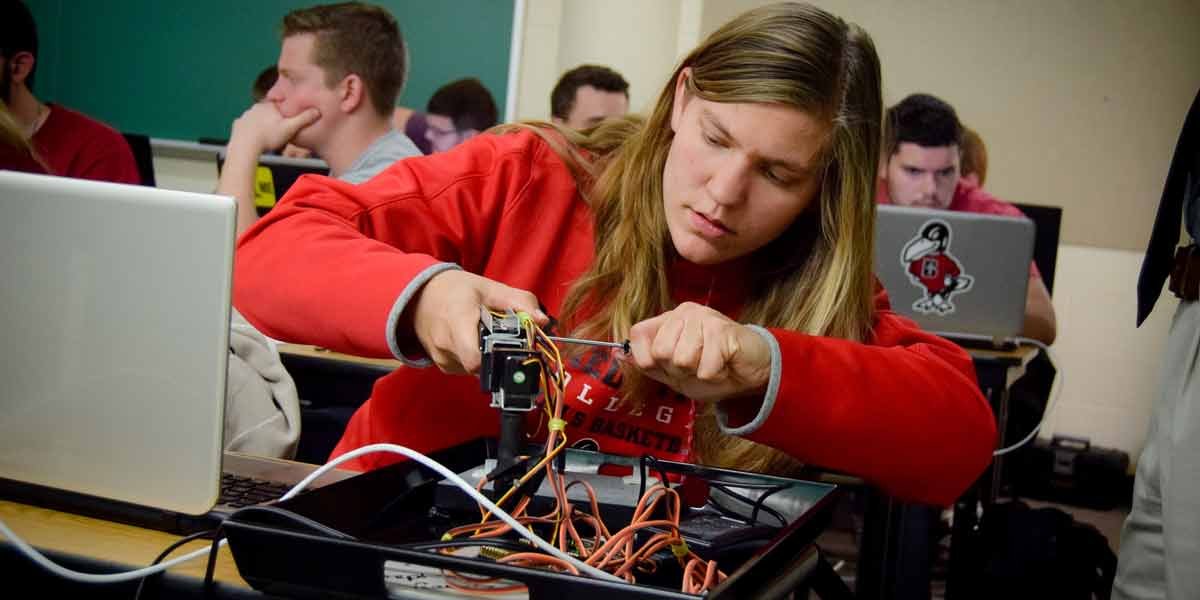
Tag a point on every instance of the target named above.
point(275, 175)
point(115, 323)
point(955, 272)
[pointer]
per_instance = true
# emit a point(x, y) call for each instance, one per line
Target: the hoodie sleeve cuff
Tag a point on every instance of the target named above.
point(768, 401)
point(393, 322)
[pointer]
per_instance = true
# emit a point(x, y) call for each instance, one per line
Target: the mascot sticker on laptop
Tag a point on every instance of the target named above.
point(932, 268)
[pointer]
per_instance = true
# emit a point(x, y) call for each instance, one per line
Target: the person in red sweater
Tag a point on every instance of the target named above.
point(728, 236)
point(922, 167)
point(69, 143)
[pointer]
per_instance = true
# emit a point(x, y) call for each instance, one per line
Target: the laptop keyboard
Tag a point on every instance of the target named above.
point(238, 491)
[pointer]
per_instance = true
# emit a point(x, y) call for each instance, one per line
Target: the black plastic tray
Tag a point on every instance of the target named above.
point(368, 523)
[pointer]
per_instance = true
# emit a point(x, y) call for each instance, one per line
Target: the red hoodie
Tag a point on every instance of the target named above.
point(334, 264)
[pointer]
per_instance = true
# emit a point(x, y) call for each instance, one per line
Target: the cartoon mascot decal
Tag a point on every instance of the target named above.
point(931, 267)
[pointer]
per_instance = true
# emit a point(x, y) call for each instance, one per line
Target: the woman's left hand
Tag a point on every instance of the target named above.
point(701, 353)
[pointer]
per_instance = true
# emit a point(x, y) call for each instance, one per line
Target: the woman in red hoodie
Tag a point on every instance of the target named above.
point(728, 236)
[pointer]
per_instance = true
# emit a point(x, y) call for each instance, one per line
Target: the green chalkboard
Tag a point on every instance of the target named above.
point(182, 69)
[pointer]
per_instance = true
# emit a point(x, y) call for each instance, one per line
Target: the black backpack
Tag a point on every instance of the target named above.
point(1041, 553)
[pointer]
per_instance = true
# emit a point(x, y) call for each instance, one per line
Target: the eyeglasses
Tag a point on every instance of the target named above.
point(439, 132)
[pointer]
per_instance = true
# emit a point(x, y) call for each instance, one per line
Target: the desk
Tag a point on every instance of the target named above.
point(298, 351)
point(96, 546)
point(100, 544)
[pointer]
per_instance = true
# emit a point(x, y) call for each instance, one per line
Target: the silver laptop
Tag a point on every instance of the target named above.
point(114, 321)
point(961, 275)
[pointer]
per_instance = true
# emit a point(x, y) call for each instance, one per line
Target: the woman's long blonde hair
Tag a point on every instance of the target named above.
point(11, 133)
point(816, 277)
point(12, 137)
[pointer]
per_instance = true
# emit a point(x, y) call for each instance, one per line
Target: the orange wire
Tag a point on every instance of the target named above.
point(607, 550)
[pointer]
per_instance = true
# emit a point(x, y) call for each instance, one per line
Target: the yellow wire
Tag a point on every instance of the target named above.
point(541, 464)
point(554, 393)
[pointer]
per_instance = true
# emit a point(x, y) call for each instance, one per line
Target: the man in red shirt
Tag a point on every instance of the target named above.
point(921, 168)
point(70, 143)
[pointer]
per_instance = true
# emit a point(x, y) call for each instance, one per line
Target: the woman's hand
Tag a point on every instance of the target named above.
point(445, 316)
point(701, 353)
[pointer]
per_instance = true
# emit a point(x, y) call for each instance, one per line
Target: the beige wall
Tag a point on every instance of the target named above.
point(539, 59)
point(1079, 101)
point(638, 39)
point(1111, 367)
point(586, 37)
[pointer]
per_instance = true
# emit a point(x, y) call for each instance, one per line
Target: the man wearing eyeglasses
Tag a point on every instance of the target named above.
point(457, 112)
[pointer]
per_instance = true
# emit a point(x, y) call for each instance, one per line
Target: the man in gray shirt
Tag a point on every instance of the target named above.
point(341, 68)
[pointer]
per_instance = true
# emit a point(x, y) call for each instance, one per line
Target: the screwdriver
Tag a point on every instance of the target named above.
point(566, 340)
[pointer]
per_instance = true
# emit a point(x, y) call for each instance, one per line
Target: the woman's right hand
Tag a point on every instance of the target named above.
point(445, 316)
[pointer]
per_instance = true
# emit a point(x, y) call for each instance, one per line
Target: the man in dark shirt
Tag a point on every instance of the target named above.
point(588, 94)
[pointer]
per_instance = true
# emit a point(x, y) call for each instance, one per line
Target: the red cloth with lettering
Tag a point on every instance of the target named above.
point(75, 145)
point(329, 262)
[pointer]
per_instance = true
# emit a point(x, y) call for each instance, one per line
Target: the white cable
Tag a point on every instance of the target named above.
point(82, 577)
point(453, 477)
point(1055, 391)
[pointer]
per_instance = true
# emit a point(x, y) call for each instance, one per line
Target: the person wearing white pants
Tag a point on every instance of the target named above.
point(1160, 542)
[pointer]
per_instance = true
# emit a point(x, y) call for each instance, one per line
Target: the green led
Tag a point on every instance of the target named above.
point(519, 377)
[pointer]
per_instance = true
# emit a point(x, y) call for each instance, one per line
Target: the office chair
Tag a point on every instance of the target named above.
point(1048, 221)
point(1030, 394)
point(330, 391)
point(142, 155)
